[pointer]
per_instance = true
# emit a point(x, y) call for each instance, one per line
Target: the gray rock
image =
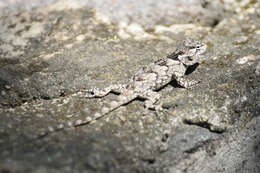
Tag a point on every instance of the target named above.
point(48, 56)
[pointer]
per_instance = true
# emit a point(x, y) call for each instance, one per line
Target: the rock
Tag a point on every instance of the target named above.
point(50, 55)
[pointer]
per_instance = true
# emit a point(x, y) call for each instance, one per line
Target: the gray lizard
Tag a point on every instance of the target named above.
point(146, 82)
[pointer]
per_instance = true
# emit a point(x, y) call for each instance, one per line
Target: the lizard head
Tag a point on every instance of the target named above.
point(189, 52)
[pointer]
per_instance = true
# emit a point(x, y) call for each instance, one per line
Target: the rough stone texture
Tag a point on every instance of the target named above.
point(49, 55)
point(8, 7)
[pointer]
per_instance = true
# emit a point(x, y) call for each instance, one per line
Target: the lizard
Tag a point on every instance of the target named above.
point(146, 82)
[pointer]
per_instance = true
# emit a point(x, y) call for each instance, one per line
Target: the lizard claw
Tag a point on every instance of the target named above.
point(154, 107)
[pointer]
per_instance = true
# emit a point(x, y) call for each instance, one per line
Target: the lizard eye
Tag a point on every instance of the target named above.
point(189, 58)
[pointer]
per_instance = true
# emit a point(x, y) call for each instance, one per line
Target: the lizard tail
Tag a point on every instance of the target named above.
point(122, 100)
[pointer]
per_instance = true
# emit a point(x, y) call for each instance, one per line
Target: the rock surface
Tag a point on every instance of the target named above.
point(50, 54)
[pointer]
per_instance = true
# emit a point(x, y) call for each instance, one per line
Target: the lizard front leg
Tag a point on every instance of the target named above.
point(186, 83)
point(151, 98)
point(96, 92)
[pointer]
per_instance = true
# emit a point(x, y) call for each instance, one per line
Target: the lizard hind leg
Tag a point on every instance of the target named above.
point(95, 92)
